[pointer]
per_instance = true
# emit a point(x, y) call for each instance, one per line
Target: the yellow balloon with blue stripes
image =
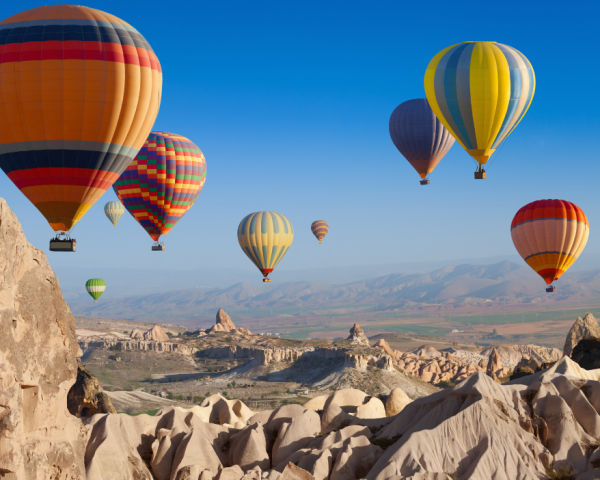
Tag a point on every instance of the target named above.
point(114, 211)
point(480, 91)
point(265, 237)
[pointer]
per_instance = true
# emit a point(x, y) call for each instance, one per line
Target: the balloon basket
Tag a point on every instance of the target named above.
point(66, 244)
point(158, 248)
point(425, 182)
point(551, 289)
point(480, 173)
point(266, 279)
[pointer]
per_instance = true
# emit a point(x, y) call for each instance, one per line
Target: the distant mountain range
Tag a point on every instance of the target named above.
point(462, 285)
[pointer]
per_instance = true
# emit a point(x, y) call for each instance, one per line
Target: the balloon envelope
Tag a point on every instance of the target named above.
point(480, 91)
point(265, 237)
point(80, 90)
point(95, 287)
point(550, 235)
point(163, 182)
point(419, 135)
point(319, 229)
point(114, 211)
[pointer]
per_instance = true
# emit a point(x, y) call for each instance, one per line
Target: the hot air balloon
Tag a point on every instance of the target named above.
point(80, 90)
point(162, 183)
point(95, 287)
point(319, 229)
point(419, 136)
point(265, 237)
point(114, 211)
point(480, 91)
point(550, 235)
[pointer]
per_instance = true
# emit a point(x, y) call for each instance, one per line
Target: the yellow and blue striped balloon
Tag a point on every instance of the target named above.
point(265, 237)
point(114, 211)
point(480, 91)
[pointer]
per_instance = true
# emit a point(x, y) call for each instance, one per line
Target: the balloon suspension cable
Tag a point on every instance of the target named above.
point(62, 236)
point(498, 154)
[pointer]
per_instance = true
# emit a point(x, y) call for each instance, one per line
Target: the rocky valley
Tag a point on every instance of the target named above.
point(99, 399)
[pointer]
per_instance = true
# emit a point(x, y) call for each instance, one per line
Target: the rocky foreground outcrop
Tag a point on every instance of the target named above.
point(478, 429)
point(39, 438)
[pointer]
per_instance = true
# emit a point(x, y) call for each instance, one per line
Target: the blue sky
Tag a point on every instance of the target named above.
point(290, 102)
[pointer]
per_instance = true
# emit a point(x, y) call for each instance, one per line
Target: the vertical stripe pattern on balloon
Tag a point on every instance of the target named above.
point(114, 211)
point(480, 91)
point(265, 237)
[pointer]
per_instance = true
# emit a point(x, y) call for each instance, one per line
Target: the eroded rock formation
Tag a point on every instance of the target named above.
point(586, 327)
point(168, 347)
point(225, 324)
point(357, 336)
point(156, 334)
point(86, 397)
point(39, 438)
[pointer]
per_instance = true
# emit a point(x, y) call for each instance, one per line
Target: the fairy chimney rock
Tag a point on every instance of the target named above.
point(223, 324)
point(494, 365)
point(357, 335)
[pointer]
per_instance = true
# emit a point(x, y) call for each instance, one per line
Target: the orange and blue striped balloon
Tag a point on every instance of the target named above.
point(163, 182)
point(79, 92)
point(319, 229)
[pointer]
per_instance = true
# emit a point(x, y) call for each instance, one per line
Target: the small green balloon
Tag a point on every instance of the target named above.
point(95, 287)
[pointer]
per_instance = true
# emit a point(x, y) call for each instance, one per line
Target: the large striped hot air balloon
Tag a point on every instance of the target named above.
point(79, 92)
point(265, 237)
point(319, 229)
point(114, 211)
point(162, 183)
point(419, 136)
point(95, 287)
point(480, 91)
point(550, 235)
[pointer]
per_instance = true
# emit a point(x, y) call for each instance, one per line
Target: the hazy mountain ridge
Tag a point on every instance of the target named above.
point(461, 285)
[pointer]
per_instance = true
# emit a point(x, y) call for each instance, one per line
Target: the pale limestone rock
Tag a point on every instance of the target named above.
point(585, 327)
point(156, 334)
point(396, 401)
point(38, 351)
point(224, 324)
point(494, 365)
point(317, 403)
point(230, 473)
point(351, 457)
point(292, 472)
point(295, 435)
point(357, 336)
point(120, 446)
point(248, 448)
point(196, 449)
point(136, 334)
point(373, 408)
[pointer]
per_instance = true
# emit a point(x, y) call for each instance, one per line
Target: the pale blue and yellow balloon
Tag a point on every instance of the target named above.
point(480, 91)
point(114, 211)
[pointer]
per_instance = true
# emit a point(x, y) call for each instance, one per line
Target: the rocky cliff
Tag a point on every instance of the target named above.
point(39, 438)
point(139, 345)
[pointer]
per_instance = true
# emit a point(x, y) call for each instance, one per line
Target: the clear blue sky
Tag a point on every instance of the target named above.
point(290, 102)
